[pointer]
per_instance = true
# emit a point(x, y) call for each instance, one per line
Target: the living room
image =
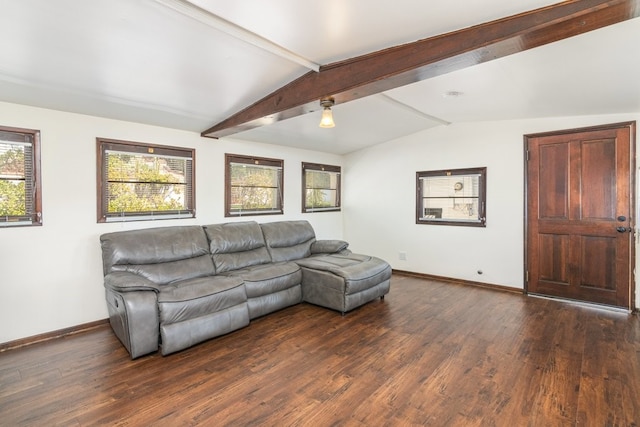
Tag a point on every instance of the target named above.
point(52, 277)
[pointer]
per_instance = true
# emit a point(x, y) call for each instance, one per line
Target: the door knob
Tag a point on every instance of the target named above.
point(623, 229)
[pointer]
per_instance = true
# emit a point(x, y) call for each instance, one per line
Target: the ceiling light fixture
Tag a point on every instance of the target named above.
point(327, 115)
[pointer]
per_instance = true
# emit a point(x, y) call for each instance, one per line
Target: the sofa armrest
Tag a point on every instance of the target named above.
point(124, 281)
point(328, 246)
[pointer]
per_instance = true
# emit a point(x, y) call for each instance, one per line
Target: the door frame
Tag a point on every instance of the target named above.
point(632, 197)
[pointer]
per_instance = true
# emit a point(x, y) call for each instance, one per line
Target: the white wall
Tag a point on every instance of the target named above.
point(51, 276)
point(379, 199)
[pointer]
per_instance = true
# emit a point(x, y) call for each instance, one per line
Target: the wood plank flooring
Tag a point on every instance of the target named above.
point(430, 353)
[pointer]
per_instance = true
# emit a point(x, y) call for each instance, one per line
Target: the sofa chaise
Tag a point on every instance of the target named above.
point(170, 288)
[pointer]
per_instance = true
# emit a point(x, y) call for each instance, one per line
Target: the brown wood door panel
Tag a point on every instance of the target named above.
point(579, 191)
point(597, 177)
point(593, 281)
point(553, 258)
point(554, 175)
point(597, 259)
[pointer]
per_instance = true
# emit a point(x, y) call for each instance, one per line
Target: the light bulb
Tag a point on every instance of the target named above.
point(327, 118)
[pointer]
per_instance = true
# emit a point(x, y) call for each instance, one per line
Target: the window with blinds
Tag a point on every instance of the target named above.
point(253, 185)
point(138, 181)
point(452, 197)
point(20, 200)
point(320, 188)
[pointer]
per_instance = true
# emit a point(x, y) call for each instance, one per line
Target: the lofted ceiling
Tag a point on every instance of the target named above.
point(182, 64)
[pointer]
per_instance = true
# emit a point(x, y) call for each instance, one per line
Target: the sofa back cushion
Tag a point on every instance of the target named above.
point(162, 255)
point(288, 240)
point(236, 245)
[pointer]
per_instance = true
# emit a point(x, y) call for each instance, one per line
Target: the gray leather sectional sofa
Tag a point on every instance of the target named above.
point(173, 287)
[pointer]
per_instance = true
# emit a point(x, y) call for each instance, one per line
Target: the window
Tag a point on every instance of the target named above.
point(139, 181)
point(320, 188)
point(451, 197)
point(20, 199)
point(253, 186)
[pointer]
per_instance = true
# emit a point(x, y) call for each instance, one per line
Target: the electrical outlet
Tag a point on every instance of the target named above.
point(402, 256)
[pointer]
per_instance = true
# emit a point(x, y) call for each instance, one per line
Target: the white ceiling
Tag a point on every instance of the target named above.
point(144, 61)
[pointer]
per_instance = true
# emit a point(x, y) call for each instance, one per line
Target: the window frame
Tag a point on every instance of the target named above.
point(34, 217)
point(253, 161)
point(481, 220)
point(321, 168)
point(107, 144)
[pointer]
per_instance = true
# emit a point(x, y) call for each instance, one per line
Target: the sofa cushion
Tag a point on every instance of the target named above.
point(269, 278)
point(328, 246)
point(194, 298)
point(171, 271)
point(236, 245)
point(288, 240)
point(162, 255)
point(349, 273)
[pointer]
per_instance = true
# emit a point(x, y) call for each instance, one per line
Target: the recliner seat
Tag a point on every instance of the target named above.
point(238, 249)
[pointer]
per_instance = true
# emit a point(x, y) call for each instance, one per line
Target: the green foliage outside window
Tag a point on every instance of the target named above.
point(139, 183)
point(319, 189)
point(254, 187)
point(12, 198)
point(12, 184)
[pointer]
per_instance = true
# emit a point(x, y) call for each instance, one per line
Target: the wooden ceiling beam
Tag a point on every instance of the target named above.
point(397, 66)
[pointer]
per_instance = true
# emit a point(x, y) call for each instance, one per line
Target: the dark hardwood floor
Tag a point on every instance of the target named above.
point(431, 353)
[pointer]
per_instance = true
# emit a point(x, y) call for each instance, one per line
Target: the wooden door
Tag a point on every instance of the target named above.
point(580, 222)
